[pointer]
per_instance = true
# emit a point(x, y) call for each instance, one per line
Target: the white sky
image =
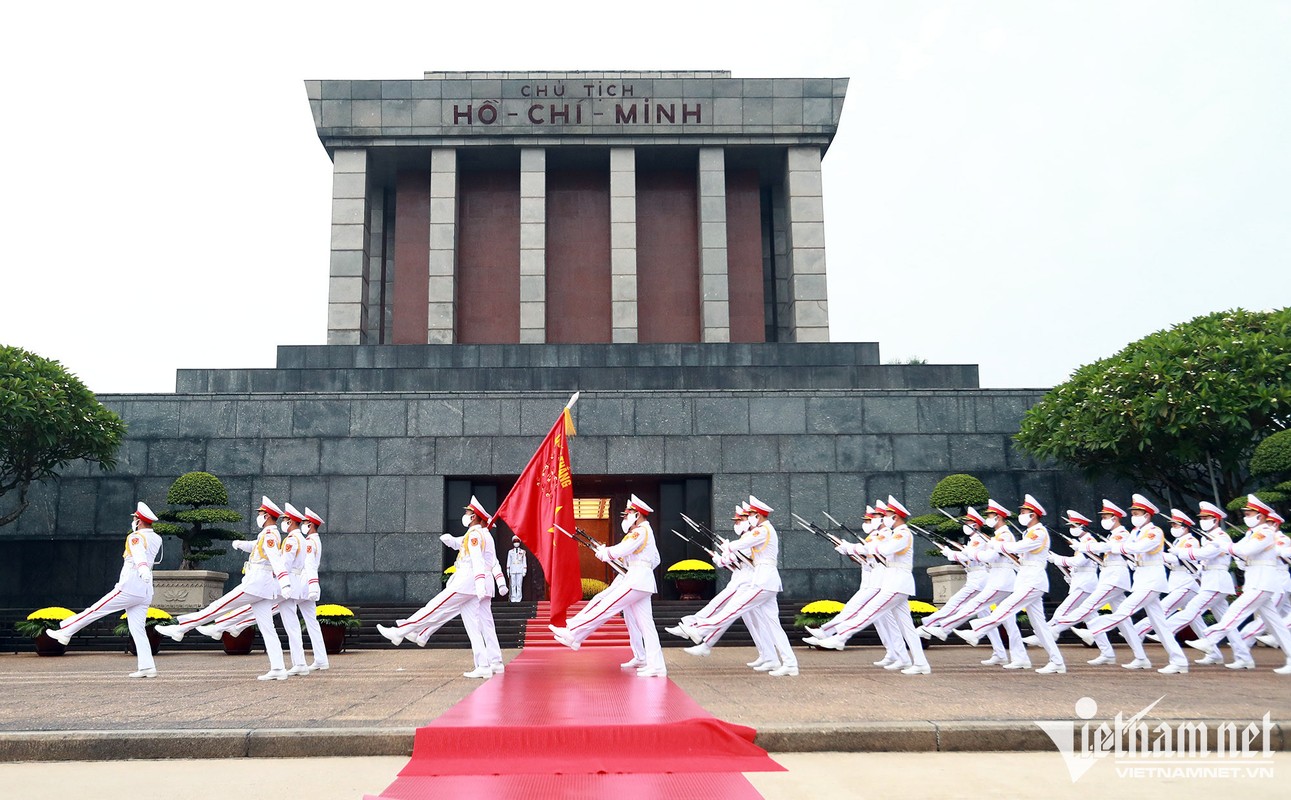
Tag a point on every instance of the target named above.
point(1024, 185)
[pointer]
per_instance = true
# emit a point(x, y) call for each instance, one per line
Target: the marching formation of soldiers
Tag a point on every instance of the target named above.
point(1172, 580)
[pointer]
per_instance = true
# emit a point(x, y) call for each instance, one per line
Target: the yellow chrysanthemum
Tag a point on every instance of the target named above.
point(52, 612)
point(822, 607)
point(920, 607)
point(451, 570)
point(593, 587)
point(332, 610)
point(691, 564)
point(1106, 607)
point(153, 613)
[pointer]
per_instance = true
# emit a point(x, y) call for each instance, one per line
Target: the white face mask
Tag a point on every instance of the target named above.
point(1076, 531)
point(466, 520)
point(992, 521)
point(283, 524)
point(1177, 530)
point(867, 526)
point(1207, 524)
point(889, 521)
point(1139, 520)
point(516, 545)
point(969, 530)
point(1108, 523)
point(626, 523)
point(134, 524)
point(1251, 520)
point(261, 519)
point(1026, 518)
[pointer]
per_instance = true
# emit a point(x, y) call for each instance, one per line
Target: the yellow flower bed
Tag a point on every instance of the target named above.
point(451, 570)
point(691, 564)
point(56, 613)
point(822, 607)
point(332, 610)
point(593, 587)
point(153, 613)
point(920, 607)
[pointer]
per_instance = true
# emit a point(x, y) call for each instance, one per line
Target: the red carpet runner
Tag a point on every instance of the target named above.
point(572, 725)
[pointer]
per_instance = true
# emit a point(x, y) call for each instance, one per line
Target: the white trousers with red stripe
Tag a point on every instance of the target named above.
point(953, 605)
point(1215, 602)
point(979, 607)
point(762, 638)
point(432, 616)
point(136, 609)
point(1087, 611)
point(761, 608)
point(1148, 601)
point(291, 624)
point(1261, 603)
point(885, 626)
point(1171, 603)
point(634, 604)
point(886, 603)
point(1031, 603)
point(261, 609)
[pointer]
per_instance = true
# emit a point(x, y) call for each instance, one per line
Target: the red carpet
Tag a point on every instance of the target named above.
point(576, 725)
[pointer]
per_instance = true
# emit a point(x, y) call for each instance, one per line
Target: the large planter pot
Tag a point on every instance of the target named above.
point(180, 590)
point(46, 646)
point(154, 640)
point(333, 638)
point(239, 645)
point(946, 580)
point(690, 588)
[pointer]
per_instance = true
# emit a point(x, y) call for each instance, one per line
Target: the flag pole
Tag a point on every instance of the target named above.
point(572, 400)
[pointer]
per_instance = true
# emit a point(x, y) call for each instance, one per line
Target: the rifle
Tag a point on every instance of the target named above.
point(716, 540)
point(591, 544)
point(858, 536)
point(829, 537)
point(1003, 552)
point(711, 553)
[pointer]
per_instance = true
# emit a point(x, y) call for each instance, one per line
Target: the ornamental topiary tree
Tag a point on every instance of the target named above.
point(196, 525)
point(48, 419)
point(955, 493)
point(1271, 460)
point(1178, 411)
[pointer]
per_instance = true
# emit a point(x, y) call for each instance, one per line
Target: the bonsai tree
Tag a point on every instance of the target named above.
point(48, 419)
point(196, 525)
point(1271, 460)
point(955, 493)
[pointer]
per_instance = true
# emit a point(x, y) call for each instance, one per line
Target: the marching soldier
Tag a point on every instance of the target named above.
point(999, 585)
point(470, 583)
point(1113, 582)
point(896, 546)
point(309, 605)
point(1030, 586)
point(1216, 584)
point(639, 551)
point(976, 575)
point(132, 592)
point(1145, 546)
point(1181, 579)
point(1081, 571)
point(517, 568)
point(293, 557)
point(1265, 582)
point(266, 580)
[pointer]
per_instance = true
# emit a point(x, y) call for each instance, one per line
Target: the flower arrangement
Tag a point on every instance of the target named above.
point(593, 587)
point(691, 569)
point(41, 620)
point(919, 609)
point(155, 617)
point(817, 613)
point(448, 573)
point(337, 616)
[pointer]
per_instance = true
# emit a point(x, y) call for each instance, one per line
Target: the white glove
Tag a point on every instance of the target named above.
point(502, 589)
point(447, 539)
point(145, 572)
point(945, 551)
point(602, 554)
point(314, 591)
point(1171, 559)
point(481, 589)
point(285, 591)
point(841, 549)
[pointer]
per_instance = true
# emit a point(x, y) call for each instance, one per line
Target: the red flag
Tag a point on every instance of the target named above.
point(542, 498)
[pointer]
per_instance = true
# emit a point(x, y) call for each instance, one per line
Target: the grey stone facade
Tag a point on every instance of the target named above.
point(376, 463)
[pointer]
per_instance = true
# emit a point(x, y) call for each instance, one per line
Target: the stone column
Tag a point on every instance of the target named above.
point(441, 323)
point(533, 245)
point(623, 244)
point(348, 284)
point(806, 211)
point(714, 284)
point(374, 313)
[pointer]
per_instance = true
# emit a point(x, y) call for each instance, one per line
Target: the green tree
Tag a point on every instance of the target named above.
point(48, 419)
point(1271, 460)
point(196, 525)
point(1178, 411)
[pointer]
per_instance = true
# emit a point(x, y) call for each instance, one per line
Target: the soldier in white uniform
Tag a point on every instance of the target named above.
point(471, 582)
point(638, 550)
point(1113, 582)
point(266, 580)
point(131, 594)
point(1210, 556)
point(1000, 576)
point(896, 546)
point(975, 581)
point(313, 591)
point(517, 568)
point(478, 620)
point(1032, 551)
point(1081, 571)
point(741, 569)
point(293, 559)
point(1181, 577)
point(1265, 582)
point(1145, 546)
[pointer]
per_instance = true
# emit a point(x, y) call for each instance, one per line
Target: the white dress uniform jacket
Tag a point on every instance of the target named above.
point(476, 558)
point(1146, 546)
point(637, 549)
point(266, 575)
point(897, 548)
point(142, 550)
point(763, 544)
point(313, 560)
point(1214, 559)
point(1032, 550)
